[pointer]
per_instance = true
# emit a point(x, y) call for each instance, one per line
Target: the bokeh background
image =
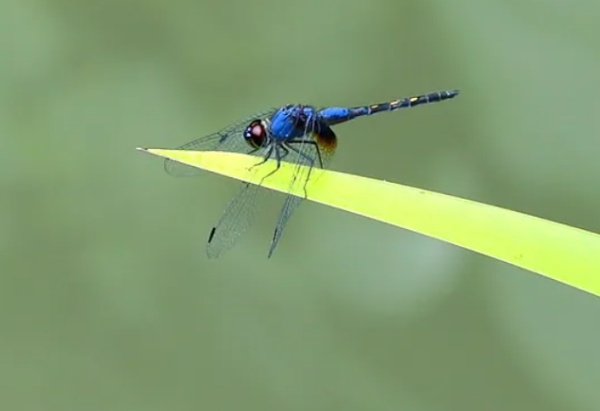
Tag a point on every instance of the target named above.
point(107, 299)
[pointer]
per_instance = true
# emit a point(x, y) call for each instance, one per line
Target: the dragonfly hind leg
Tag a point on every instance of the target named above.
point(312, 143)
point(311, 161)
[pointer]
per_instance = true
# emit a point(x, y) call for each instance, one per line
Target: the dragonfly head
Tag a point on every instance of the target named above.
point(256, 134)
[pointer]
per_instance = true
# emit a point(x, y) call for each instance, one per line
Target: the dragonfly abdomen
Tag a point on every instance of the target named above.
point(409, 102)
point(337, 115)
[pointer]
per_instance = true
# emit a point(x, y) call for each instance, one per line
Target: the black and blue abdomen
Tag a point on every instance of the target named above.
point(337, 115)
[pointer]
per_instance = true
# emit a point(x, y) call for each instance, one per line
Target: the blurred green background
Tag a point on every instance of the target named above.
point(107, 300)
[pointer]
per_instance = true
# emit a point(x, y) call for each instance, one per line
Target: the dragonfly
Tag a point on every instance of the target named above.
point(296, 133)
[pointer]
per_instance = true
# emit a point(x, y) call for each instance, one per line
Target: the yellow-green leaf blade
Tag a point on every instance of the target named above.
point(557, 251)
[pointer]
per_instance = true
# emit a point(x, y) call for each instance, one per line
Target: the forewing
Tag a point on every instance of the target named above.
point(229, 139)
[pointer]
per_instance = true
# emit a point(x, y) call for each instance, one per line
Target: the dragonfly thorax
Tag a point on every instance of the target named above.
point(256, 134)
point(290, 122)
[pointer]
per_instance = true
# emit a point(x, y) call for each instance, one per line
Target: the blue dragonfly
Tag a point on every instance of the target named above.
point(295, 133)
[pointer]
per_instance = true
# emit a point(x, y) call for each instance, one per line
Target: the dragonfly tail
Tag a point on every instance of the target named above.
point(413, 101)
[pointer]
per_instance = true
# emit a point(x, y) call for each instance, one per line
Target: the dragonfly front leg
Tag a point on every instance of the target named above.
point(267, 155)
point(278, 158)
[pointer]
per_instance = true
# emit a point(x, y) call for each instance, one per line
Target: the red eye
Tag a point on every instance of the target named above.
point(256, 134)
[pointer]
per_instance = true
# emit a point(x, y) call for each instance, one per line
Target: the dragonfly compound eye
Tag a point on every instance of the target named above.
point(256, 134)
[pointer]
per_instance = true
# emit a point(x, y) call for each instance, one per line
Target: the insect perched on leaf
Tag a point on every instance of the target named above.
point(294, 133)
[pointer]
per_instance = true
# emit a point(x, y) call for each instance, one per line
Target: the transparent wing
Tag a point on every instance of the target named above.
point(310, 151)
point(236, 219)
point(229, 139)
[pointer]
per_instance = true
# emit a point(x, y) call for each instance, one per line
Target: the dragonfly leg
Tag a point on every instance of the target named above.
point(268, 155)
point(312, 143)
point(310, 160)
point(278, 157)
point(285, 152)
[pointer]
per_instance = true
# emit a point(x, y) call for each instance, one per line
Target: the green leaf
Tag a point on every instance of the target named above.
point(557, 251)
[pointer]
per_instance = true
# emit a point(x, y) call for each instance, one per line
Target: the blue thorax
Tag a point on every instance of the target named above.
point(292, 121)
